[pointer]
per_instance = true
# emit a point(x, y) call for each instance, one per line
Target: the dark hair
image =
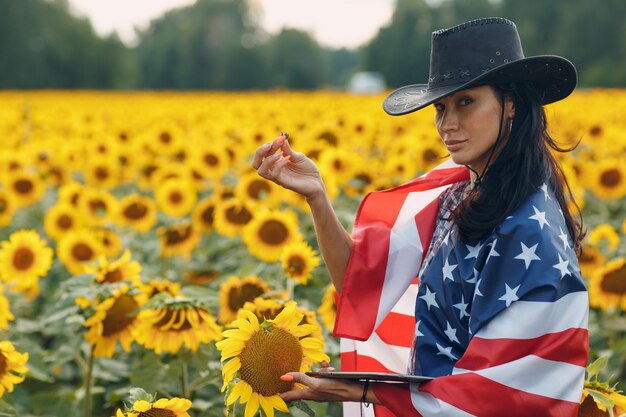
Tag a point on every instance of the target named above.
point(524, 163)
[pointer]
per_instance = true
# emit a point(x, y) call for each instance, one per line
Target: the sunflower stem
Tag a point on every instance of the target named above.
point(88, 383)
point(183, 377)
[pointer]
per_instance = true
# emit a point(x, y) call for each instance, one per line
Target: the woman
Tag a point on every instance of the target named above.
point(501, 312)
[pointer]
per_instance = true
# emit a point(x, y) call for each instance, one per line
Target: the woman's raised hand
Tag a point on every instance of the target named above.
point(293, 170)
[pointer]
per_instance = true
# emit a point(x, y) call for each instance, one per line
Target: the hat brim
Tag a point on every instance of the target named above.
point(554, 77)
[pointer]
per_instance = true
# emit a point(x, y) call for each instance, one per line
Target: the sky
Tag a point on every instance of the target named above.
point(334, 23)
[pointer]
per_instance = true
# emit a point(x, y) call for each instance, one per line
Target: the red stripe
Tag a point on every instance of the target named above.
point(567, 346)
point(348, 361)
point(397, 398)
point(481, 396)
point(397, 329)
point(351, 361)
point(382, 411)
point(426, 222)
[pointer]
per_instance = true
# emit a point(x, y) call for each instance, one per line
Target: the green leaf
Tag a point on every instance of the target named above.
point(137, 394)
point(303, 406)
point(6, 410)
point(598, 365)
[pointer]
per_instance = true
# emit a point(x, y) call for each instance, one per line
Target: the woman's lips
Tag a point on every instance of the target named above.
point(453, 145)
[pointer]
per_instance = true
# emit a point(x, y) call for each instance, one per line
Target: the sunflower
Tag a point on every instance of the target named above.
point(338, 164)
point(24, 258)
point(254, 188)
point(269, 308)
point(597, 397)
point(590, 260)
point(258, 354)
point(111, 242)
point(604, 233)
point(167, 138)
point(203, 214)
point(270, 232)
point(174, 407)
point(299, 260)
point(607, 287)
point(235, 292)
point(78, 247)
point(175, 321)
point(200, 277)
point(70, 193)
point(8, 207)
point(158, 286)
point(102, 171)
point(137, 211)
point(12, 364)
point(25, 187)
point(97, 206)
point(61, 219)
point(328, 308)
point(176, 197)
point(211, 162)
point(122, 269)
point(231, 216)
point(114, 320)
point(608, 179)
point(5, 311)
point(178, 240)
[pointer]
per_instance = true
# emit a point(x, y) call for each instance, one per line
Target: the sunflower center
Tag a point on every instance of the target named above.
point(611, 177)
point(102, 173)
point(207, 215)
point(23, 259)
point(238, 296)
point(329, 137)
point(177, 235)
point(65, 222)
point(211, 160)
point(296, 264)
point(176, 197)
point(257, 188)
point(135, 211)
point(165, 137)
point(119, 315)
point(23, 186)
point(268, 355)
point(114, 276)
point(239, 216)
point(82, 252)
point(174, 319)
point(429, 155)
point(595, 130)
point(273, 232)
point(156, 412)
point(588, 408)
point(615, 281)
point(98, 206)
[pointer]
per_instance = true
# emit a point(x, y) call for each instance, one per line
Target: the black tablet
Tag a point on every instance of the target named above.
point(372, 376)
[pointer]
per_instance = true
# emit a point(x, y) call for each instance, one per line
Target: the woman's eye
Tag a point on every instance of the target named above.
point(465, 101)
point(439, 107)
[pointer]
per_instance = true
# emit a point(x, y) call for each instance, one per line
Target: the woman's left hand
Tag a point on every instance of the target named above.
point(322, 389)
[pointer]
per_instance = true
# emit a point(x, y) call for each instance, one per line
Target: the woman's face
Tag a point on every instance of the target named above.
point(468, 123)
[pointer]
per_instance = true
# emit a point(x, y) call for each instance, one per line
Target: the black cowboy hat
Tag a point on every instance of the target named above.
point(480, 52)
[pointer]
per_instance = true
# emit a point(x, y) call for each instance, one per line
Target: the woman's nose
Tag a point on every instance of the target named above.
point(449, 121)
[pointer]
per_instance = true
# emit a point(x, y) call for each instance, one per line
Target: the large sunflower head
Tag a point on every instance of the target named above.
point(299, 260)
point(114, 320)
point(204, 214)
point(235, 292)
point(12, 366)
point(252, 187)
point(269, 308)
point(78, 248)
point(171, 321)
point(599, 399)
point(138, 212)
point(178, 240)
point(607, 287)
point(24, 258)
point(120, 270)
point(257, 354)
point(269, 232)
point(173, 407)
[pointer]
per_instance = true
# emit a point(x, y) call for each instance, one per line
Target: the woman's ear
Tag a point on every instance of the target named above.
point(509, 105)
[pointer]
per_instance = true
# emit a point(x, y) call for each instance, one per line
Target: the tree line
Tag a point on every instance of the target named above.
point(219, 44)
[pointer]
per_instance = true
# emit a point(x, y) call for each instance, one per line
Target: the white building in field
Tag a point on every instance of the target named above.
point(366, 82)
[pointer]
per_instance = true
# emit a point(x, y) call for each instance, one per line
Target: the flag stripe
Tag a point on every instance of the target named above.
point(393, 330)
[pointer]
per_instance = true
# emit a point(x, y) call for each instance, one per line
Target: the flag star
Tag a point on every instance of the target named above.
point(562, 266)
point(510, 295)
point(445, 351)
point(451, 333)
point(429, 297)
point(473, 251)
point(474, 277)
point(447, 271)
point(417, 329)
point(477, 289)
point(544, 188)
point(563, 237)
point(528, 254)
point(493, 251)
point(462, 306)
point(540, 216)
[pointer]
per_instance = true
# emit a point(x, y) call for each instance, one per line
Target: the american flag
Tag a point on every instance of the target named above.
point(501, 323)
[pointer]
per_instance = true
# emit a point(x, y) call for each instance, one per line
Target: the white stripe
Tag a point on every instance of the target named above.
point(427, 405)
point(539, 318)
point(394, 358)
point(405, 250)
point(559, 380)
point(355, 409)
point(406, 304)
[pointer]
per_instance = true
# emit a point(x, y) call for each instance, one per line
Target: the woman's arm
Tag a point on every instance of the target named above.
point(277, 162)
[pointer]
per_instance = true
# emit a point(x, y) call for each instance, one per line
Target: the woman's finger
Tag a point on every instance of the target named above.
point(266, 150)
point(266, 167)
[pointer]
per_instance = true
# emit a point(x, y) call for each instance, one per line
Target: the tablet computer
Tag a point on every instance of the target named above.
point(372, 376)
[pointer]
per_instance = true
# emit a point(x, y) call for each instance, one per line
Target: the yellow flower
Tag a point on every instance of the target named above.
point(178, 240)
point(177, 321)
point(269, 308)
point(337, 163)
point(607, 287)
point(97, 206)
point(12, 366)
point(70, 193)
point(5, 312)
point(25, 187)
point(174, 407)
point(114, 320)
point(299, 260)
point(23, 259)
point(235, 292)
point(61, 219)
point(166, 138)
point(211, 161)
point(111, 242)
point(102, 171)
point(258, 354)
point(328, 308)
point(203, 214)
point(607, 179)
point(591, 406)
point(590, 260)
point(77, 248)
point(157, 286)
point(138, 212)
point(8, 206)
point(176, 197)
point(253, 188)
point(120, 270)
point(231, 216)
point(270, 232)
point(604, 233)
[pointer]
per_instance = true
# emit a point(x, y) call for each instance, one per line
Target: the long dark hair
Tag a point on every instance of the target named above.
point(524, 163)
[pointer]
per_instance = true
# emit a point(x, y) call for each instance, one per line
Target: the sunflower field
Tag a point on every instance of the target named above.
point(147, 270)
